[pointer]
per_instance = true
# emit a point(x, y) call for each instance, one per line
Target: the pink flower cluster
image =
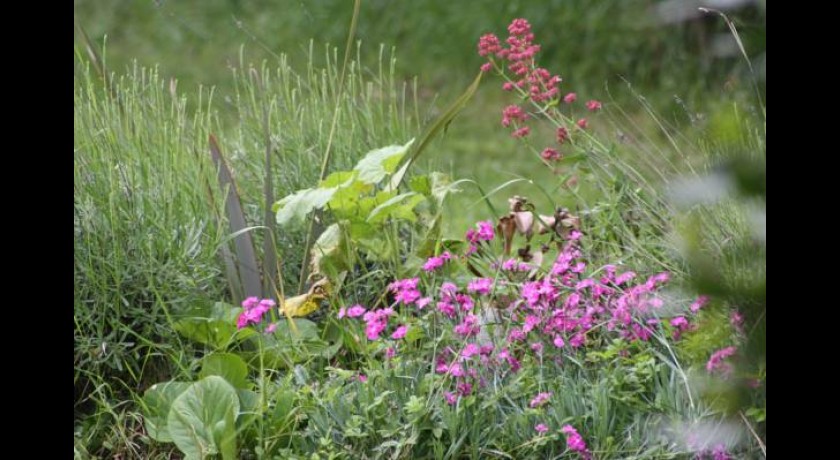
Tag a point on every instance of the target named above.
point(540, 399)
point(433, 263)
point(253, 311)
point(717, 363)
point(575, 442)
point(535, 83)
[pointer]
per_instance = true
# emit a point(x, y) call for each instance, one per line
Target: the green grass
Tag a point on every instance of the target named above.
point(147, 210)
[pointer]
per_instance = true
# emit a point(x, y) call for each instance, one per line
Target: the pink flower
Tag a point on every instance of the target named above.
point(582, 123)
point(562, 135)
point(519, 27)
point(541, 428)
point(574, 441)
point(624, 277)
point(537, 347)
point(716, 362)
point(407, 296)
point(355, 311)
point(362, 378)
point(342, 312)
point(699, 303)
point(521, 132)
point(593, 105)
point(569, 98)
point(446, 308)
point(250, 303)
point(516, 335)
point(480, 285)
point(486, 67)
point(390, 352)
point(578, 340)
point(450, 398)
point(513, 114)
point(422, 302)
point(507, 86)
point(470, 350)
point(241, 321)
point(468, 327)
point(679, 322)
point(374, 329)
point(485, 232)
point(737, 321)
point(531, 321)
point(271, 328)
point(399, 333)
point(550, 154)
point(488, 44)
point(558, 342)
point(540, 399)
point(433, 263)
point(456, 370)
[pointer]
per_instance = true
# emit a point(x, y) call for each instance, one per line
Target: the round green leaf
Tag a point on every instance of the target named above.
point(195, 416)
point(228, 366)
point(157, 401)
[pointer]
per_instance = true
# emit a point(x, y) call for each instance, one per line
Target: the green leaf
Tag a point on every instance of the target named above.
point(228, 366)
point(307, 330)
point(297, 206)
point(156, 404)
point(339, 179)
point(327, 255)
point(213, 332)
point(202, 419)
point(421, 184)
point(377, 164)
point(398, 207)
point(246, 259)
point(368, 204)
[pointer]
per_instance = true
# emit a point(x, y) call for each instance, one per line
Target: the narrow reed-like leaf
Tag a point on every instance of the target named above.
point(246, 259)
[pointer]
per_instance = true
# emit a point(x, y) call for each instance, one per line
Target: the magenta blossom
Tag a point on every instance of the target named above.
point(450, 398)
point(355, 311)
point(541, 428)
point(540, 399)
point(470, 350)
point(399, 333)
point(593, 105)
point(480, 285)
point(699, 303)
point(716, 362)
point(574, 441)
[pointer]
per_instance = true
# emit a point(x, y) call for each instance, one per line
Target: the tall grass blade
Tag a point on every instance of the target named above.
point(435, 127)
point(246, 259)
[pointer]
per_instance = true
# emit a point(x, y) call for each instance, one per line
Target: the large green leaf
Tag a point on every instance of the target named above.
point(378, 163)
point(214, 332)
point(214, 326)
point(327, 255)
point(297, 206)
point(398, 207)
point(202, 420)
point(228, 366)
point(157, 401)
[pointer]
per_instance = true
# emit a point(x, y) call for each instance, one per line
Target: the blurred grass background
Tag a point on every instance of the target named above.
point(685, 63)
